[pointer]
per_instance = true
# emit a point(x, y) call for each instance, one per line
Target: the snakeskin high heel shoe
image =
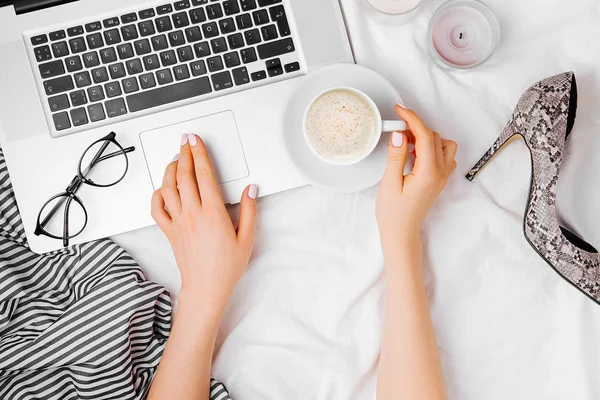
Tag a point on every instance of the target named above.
point(544, 118)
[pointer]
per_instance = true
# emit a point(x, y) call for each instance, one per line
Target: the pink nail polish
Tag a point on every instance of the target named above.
point(400, 104)
point(397, 139)
point(176, 158)
point(184, 139)
point(193, 139)
point(253, 191)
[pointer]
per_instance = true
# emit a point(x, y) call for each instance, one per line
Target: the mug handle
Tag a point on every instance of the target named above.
point(395, 125)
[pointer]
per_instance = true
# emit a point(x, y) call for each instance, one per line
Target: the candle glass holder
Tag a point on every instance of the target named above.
point(390, 12)
point(463, 34)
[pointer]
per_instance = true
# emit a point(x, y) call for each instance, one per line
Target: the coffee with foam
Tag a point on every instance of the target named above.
point(340, 124)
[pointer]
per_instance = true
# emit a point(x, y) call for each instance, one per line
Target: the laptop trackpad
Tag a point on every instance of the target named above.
point(218, 132)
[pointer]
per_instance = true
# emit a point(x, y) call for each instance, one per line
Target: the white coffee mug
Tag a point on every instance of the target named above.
point(382, 127)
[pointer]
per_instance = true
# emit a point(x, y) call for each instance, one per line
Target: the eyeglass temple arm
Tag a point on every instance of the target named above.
point(66, 223)
point(106, 157)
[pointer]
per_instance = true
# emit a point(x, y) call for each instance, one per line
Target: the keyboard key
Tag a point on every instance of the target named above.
point(78, 98)
point(274, 63)
point(227, 26)
point(248, 55)
point(235, 41)
point(164, 76)
point(146, 28)
point(176, 38)
point(116, 71)
point(127, 18)
point(292, 67)
point(215, 64)
point(232, 60)
point(79, 116)
point(218, 45)
point(57, 35)
point(110, 22)
point(77, 45)
point(214, 11)
point(61, 121)
point(96, 112)
point(180, 20)
point(146, 81)
point(99, 75)
point(159, 42)
point(222, 80)
point(58, 103)
point(275, 71)
point(197, 15)
point(130, 85)
point(58, 85)
point(108, 55)
point(115, 107)
point(181, 72)
point(147, 13)
point(244, 21)
point(91, 60)
point(95, 41)
point(266, 3)
point(52, 68)
point(129, 32)
point(269, 32)
point(125, 51)
point(259, 76)
point(180, 5)
point(261, 17)
point(93, 26)
point(278, 16)
point(185, 54)
point(112, 36)
point(248, 5)
point(134, 66)
point(193, 34)
point(160, 10)
point(168, 94)
point(163, 24)
point(198, 68)
point(151, 62)
point(142, 47)
point(240, 76)
point(95, 93)
point(39, 39)
point(231, 7)
point(210, 30)
point(82, 79)
point(112, 89)
point(42, 53)
point(199, 2)
point(274, 49)
point(202, 49)
point(252, 37)
point(168, 58)
point(74, 31)
point(60, 49)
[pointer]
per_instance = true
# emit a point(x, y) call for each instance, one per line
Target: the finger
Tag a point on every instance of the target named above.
point(439, 153)
point(450, 148)
point(205, 177)
point(248, 212)
point(397, 150)
point(424, 138)
point(188, 188)
point(169, 190)
point(158, 212)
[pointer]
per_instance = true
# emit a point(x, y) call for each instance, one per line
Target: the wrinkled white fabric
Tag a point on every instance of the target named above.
point(305, 321)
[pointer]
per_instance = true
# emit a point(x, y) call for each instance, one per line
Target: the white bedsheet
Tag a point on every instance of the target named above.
point(305, 321)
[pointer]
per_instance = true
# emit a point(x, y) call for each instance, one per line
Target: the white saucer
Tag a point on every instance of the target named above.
point(347, 179)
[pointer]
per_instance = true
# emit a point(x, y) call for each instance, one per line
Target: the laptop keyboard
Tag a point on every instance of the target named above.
point(118, 66)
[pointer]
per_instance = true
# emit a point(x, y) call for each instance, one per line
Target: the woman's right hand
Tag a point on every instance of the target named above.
point(404, 201)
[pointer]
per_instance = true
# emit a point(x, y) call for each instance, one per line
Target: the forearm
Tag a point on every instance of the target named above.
point(184, 371)
point(409, 366)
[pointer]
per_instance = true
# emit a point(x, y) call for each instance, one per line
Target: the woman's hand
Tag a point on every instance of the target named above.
point(210, 254)
point(404, 201)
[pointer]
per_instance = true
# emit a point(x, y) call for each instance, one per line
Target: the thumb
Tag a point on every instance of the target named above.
point(397, 150)
point(247, 216)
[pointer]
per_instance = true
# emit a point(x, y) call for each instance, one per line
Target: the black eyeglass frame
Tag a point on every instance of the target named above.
point(70, 195)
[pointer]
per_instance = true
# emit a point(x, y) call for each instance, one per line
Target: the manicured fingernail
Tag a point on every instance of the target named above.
point(397, 139)
point(193, 139)
point(253, 191)
point(176, 158)
point(184, 139)
point(400, 104)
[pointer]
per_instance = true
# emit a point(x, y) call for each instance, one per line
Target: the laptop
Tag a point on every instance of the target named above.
point(71, 72)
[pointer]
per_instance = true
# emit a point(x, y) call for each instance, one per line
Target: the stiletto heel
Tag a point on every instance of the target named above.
point(544, 118)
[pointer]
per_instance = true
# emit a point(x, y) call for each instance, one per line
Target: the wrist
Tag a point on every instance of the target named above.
point(199, 307)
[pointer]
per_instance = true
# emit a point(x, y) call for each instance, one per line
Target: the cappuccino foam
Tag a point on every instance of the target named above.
point(341, 124)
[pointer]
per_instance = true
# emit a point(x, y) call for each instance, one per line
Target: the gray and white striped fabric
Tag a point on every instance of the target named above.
point(79, 323)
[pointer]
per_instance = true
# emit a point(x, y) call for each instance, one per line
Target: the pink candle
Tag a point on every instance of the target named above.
point(463, 33)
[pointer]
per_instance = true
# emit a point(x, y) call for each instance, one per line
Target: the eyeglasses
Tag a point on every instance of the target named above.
point(103, 164)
